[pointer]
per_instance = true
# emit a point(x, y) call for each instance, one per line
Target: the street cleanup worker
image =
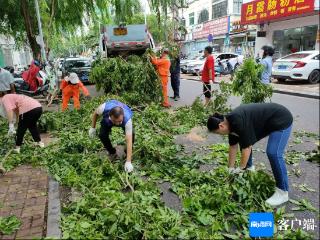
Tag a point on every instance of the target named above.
point(114, 114)
point(207, 74)
point(71, 87)
point(163, 67)
point(28, 111)
point(246, 125)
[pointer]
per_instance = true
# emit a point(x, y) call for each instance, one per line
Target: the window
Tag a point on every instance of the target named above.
point(292, 40)
point(237, 6)
point(183, 22)
point(203, 16)
point(191, 19)
point(297, 56)
point(219, 9)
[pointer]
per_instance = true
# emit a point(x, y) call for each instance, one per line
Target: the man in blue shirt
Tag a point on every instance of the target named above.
point(267, 63)
point(114, 114)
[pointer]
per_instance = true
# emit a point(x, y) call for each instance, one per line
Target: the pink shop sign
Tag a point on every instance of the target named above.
point(215, 27)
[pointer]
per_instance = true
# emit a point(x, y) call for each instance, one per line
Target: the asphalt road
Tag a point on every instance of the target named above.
point(304, 110)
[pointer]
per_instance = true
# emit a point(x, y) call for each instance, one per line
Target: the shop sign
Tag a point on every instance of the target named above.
point(260, 11)
point(237, 27)
point(215, 27)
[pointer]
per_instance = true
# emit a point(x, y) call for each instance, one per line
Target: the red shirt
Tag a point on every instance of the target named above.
point(209, 64)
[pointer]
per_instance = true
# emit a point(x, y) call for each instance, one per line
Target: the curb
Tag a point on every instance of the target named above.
point(298, 94)
point(305, 95)
point(54, 210)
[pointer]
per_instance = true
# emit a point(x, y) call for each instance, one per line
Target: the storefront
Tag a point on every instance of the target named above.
point(289, 26)
point(242, 38)
point(213, 32)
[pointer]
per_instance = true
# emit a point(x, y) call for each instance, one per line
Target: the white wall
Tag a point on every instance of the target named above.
point(14, 57)
point(281, 25)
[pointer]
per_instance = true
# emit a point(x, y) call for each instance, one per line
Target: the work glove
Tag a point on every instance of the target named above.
point(128, 167)
point(92, 132)
point(11, 131)
point(235, 170)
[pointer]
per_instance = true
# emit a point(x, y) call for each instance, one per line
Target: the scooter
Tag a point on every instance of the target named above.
point(23, 88)
point(224, 69)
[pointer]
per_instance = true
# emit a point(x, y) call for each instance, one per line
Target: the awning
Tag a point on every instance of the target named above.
point(243, 34)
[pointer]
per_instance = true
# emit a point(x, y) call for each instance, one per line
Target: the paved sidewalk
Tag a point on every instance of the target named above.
point(23, 193)
point(298, 88)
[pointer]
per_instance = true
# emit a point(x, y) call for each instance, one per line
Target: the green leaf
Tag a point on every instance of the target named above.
point(9, 225)
point(85, 224)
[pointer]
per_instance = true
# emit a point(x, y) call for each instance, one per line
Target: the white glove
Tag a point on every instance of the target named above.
point(11, 131)
point(235, 170)
point(92, 132)
point(128, 167)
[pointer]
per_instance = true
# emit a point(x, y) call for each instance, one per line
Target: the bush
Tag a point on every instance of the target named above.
point(247, 83)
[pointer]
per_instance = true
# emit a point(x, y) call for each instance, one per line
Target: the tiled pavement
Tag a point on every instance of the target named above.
point(23, 193)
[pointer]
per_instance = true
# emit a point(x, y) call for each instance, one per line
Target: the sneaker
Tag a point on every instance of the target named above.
point(251, 169)
point(16, 149)
point(278, 198)
point(40, 144)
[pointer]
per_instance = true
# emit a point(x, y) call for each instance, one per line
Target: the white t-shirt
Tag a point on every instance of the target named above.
point(128, 126)
point(5, 80)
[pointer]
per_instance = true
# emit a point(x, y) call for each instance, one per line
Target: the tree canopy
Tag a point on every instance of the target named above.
point(61, 19)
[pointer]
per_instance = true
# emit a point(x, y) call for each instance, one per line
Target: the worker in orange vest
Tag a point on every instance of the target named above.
point(163, 67)
point(71, 87)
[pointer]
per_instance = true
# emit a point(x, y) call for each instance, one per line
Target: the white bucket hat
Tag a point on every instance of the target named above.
point(73, 78)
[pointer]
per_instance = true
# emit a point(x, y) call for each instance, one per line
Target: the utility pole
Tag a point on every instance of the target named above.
point(43, 51)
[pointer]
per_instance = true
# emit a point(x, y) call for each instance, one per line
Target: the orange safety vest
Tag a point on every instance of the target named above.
point(163, 65)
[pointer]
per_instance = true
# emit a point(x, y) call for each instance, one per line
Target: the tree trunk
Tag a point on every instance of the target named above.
point(24, 8)
point(51, 20)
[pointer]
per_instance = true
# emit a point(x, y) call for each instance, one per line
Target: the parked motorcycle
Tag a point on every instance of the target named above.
point(22, 87)
point(224, 69)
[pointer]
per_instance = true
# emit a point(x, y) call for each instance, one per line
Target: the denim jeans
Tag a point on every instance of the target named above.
point(277, 143)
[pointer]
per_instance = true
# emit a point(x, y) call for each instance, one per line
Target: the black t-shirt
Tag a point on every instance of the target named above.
point(249, 123)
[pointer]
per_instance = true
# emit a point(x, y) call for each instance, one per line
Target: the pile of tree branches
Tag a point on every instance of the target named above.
point(134, 77)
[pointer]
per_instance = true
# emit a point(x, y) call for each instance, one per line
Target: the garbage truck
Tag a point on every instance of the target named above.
point(124, 40)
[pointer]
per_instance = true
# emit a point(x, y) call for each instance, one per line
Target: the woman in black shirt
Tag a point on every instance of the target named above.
point(246, 125)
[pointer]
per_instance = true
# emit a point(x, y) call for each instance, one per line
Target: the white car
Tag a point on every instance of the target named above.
point(185, 62)
point(189, 66)
point(298, 66)
point(234, 59)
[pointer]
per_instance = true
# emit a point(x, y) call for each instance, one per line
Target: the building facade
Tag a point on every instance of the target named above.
point(10, 55)
point(289, 26)
point(216, 23)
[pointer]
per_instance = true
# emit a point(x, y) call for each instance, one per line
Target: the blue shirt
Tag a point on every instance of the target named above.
point(112, 104)
point(267, 72)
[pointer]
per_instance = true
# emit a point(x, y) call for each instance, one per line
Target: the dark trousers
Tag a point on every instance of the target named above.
point(104, 136)
point(175, 84)
point(29, 121)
